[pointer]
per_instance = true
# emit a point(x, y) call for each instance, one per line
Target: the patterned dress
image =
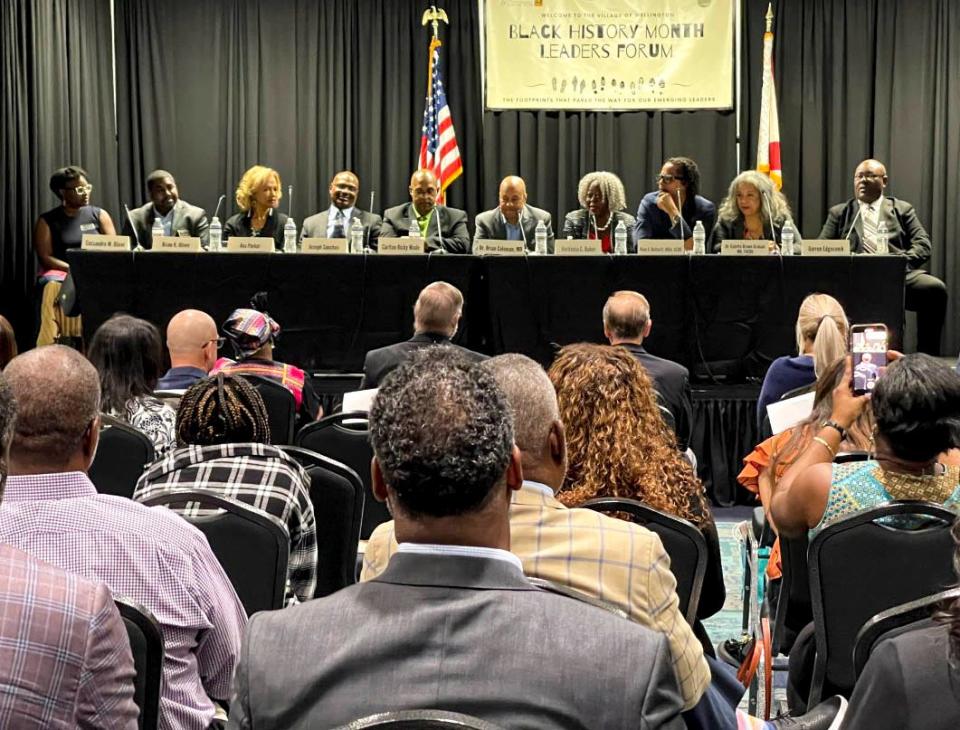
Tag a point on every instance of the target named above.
point(155, 418)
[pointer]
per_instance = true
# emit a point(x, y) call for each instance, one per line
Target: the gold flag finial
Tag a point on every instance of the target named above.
point(769, 17)
point(435, 15)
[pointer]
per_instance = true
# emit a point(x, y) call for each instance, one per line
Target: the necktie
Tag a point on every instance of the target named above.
point(869, 219)
point(338, 225)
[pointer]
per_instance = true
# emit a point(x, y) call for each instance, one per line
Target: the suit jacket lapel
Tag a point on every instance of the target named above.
point(176, 223)
point(528, 222)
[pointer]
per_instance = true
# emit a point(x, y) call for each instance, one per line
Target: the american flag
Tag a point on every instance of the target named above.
point(438, 142)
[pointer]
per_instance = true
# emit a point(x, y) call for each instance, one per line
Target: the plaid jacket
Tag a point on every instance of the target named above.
point(614, 560)
point(256, 474)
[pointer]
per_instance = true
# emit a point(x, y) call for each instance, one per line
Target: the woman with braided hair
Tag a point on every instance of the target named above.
point(223, 445)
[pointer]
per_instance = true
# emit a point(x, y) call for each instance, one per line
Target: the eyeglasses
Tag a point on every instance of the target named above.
point(219, 340)
point(666, 178)
point(80, 189)
point(868, 176)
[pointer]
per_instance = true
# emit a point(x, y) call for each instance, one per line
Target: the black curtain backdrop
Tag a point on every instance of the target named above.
point(206, 88)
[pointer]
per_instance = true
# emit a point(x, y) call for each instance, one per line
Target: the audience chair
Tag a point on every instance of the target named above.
point(683, 542)
point(895, 621)
point(281, 408)
point(252, 546)
point(862, 565)
point(146, 644)
point(345, 438)
point(122, 455)
point(420, 720)
point(337, 496)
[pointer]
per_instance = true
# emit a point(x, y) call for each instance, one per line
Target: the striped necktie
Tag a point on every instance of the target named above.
point(869, 220)
point(338, 225)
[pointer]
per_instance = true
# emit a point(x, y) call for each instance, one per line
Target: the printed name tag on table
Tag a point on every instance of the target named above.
point(324, 245)
point(660, 247)
point(177, 244)
point(736, 247)
point(825, 247)
point(250, 244)
point(98, 242)
point(496, 247)
point(404, 246)
point(578, 247)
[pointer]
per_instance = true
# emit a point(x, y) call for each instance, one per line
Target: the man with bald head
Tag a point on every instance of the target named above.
point(513, 219)
point(858, 220)
point(442, 228)
point(335, 222)
point(627, 322)
point(436, 316)
point(193, 342)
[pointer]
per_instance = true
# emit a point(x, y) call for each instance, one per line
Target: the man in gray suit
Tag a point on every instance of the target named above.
point(335, 222)
point(178, 217)
point(452, 624)
point(442, 228)
point(513, 219)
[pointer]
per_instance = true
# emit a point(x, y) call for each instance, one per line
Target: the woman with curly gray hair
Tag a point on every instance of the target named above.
point(603, 202)
point(751, 206)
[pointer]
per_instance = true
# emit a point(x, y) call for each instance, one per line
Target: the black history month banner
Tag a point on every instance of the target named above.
point(609, 54)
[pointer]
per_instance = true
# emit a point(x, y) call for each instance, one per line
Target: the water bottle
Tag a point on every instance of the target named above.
point(157, 231)
point(356, 236)
point(620, 239)
point(883, 238)
point(786, 238)
point(414, 231)
point(290, 236)
point(699, 239)
point(540, 239)
point(216, 235)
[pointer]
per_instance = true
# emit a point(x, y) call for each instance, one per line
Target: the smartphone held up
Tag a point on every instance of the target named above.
point(868, 347)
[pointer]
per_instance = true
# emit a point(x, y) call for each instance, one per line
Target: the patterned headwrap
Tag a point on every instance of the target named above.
point(249, 330)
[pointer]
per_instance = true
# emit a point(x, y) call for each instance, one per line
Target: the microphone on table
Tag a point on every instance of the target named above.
point(854, 222)
point(680, 215)
point(289, 201)
point(773, 226)
point(133, 228)
point(593, 221)
point(436, 209)
point(216, 212)
point(523, 233)
point(373, 194)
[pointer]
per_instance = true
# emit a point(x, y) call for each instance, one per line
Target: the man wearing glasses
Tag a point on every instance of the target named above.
point(673, 209)
point(193, 343)
point(859, 220)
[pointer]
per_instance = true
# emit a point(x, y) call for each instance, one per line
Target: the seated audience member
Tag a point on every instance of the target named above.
point(445, 461)
point(619, 446)
point(858, 220)
point(754, 209)
point(441, 228)
point(177, 216)
point(258, 196)
point(192, 342)
point(252, 333)
point(8, 342)
point(673, 209)
point(126, 351)
point(626, 323)
point(513, 219)
point(335, 222)
point(821, 339)
point(602, 204)
point(52, 511)
point(223, 446)
point(66, 657)
point(436, 316)
point(56, 231)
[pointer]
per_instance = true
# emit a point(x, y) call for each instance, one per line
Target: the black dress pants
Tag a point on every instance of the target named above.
point(927, 296)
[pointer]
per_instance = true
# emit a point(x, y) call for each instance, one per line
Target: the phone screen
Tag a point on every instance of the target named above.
point(868, 346)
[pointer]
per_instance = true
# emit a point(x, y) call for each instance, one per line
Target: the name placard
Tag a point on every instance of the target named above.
point(736, 247)
point(404, 246)
point(825, 247)
point(176, 244)
point(99, 242)
point(324, 245)
point(496, 247)
point(578, 247)
point(660, 247)
point(250, 244)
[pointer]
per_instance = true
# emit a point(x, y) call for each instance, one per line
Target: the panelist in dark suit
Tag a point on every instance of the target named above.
point(335, 222)
point(660, 215)
point(436, 316)
point(603, 202)
point(513, 219)
point(258, 196)
point(177, 216)
point(452, 623)
point(858, 221)
point(753, 210)
point(442, 228)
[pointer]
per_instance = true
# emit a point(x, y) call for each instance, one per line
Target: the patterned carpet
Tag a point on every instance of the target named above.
point(728, 622)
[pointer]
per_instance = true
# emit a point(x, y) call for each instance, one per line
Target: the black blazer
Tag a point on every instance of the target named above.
point(489, 224)
point(907, 235)
point(672, 381)
point(186, 217)
point(316, 226)
point(239, 225)
point(380, 362)
point(447, 230)
point(576, 224)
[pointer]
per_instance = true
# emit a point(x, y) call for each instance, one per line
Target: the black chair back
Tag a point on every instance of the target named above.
point(684, 543)
point(420, 720)
point(146, 645)
point(337, 496)
point(252, 546)
point(122, 455)
point(281, 408)
point(862, 565)
point(794, 610)
point(344, 438)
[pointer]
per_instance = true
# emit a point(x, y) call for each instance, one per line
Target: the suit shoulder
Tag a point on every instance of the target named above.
point(192, 209)
point(539, 212)
point(666, 366)
point(706, 204)
point(454, 212)
point(837, 210)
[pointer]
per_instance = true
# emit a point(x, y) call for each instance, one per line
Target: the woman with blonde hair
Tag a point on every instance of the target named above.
point(258, 195)
point(821, 332)
point(753, 209)
point(619, 446)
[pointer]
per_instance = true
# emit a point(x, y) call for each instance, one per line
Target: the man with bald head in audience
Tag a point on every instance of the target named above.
point(436, 316)
point(192, 341)
point(513, 219)
point(52, 511)
point(441, 228)
point(335, 221)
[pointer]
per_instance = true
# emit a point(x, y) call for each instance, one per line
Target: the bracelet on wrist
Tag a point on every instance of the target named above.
point(825, 445)
point(830, 423)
